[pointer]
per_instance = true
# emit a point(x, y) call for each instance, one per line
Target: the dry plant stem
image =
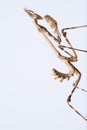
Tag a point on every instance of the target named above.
point(67, 60)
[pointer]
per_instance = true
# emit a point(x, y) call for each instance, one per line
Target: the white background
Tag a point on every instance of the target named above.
point(29, 97)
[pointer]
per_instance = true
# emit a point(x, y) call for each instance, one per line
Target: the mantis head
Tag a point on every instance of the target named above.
point(33, 15)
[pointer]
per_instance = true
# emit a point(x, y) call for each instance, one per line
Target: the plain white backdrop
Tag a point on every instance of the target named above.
point(30, 99)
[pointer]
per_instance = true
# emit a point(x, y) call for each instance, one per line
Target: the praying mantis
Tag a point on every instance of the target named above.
point(72, 57)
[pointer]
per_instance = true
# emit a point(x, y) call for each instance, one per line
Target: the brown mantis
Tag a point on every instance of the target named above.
point(67, 60)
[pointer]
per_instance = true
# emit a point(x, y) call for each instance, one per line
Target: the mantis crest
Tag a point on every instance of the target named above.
point(72, 57)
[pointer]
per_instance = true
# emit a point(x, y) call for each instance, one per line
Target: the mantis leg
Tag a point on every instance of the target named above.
point(68, 42)
point(69, 97)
